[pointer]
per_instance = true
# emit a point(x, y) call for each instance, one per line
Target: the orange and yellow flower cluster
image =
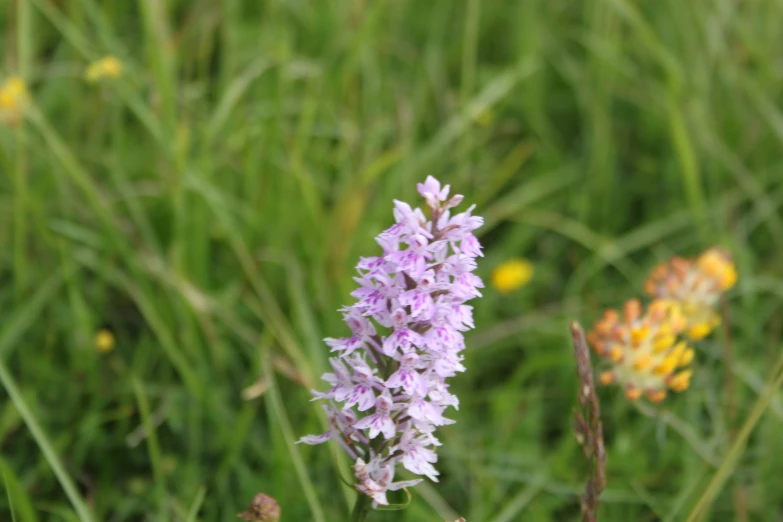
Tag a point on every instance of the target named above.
point(697, 286)
point(648, 348)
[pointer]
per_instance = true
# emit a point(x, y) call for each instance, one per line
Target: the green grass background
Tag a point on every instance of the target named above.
point(209, 207)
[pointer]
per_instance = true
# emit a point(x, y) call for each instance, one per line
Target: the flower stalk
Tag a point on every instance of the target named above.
point(361, 509)
point(588, 427)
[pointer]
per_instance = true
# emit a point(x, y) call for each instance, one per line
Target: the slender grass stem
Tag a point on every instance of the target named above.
point(730, 400)
point(20, 217)
point(24, 57)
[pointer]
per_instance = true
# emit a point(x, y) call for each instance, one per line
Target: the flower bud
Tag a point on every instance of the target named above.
point(263, 509)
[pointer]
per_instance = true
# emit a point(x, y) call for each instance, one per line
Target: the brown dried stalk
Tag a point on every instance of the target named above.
point(588, 429)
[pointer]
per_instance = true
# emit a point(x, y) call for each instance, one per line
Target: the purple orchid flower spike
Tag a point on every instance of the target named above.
point(388, 388)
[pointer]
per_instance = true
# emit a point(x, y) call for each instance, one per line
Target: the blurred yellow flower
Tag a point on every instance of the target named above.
point(106, 67)
point(13, 97)
point(643, 349)
point(696, 284)
point(104, 340)
point(511, 275)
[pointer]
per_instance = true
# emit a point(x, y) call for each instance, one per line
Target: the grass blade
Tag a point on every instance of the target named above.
point(517, 503)
point(19, 322)
point(153, 447)
point(196, 506)
point(10, 500)
point(22, 506)
point(732, 456)
point(24, 45)
point(275, 403)
point(45, 446)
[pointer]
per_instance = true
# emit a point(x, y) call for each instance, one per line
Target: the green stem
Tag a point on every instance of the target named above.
point(24, 57)
point(361, 509)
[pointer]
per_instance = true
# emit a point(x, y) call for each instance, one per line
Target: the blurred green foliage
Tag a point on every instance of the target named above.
point(208, 207)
